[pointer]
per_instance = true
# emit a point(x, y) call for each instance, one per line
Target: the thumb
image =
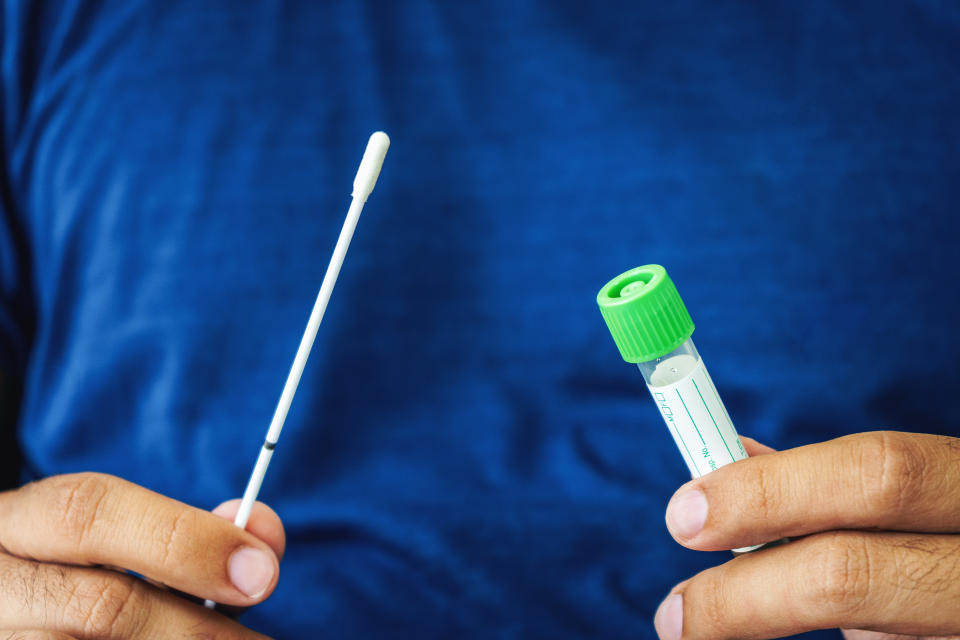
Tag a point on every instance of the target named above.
point(755, 448)
point(263, 523)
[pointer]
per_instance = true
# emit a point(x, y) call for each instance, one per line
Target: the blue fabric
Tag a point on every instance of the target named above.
point(467, 455)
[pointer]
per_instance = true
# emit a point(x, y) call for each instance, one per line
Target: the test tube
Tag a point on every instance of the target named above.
point(652, 329)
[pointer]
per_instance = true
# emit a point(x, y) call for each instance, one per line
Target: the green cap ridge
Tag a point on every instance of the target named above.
point(644, 313)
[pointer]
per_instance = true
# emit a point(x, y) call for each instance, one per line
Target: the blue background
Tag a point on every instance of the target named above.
point(468, 456)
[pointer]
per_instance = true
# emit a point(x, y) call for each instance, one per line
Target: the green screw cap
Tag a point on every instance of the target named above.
point(644, 313)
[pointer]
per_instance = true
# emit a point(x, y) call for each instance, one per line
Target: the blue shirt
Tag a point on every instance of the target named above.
point(467, 455)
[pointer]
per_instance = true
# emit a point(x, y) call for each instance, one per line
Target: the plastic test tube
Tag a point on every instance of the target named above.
point(652, 328)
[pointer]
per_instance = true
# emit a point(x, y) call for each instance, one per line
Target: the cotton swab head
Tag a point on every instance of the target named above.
point(370, 165)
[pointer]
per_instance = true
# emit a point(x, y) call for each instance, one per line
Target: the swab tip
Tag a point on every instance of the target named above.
point(371, 164)
point(380, 138)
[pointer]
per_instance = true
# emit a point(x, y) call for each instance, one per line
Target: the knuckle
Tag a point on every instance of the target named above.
point(173, 533)
point(706, 600)
point(842, 583)
point(78, 501)
point(107, 606)
point(763, 498)
point(890, 468)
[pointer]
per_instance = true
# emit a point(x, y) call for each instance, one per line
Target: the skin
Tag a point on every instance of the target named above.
point(65, 541)
point(873, 517)
point(874, 522)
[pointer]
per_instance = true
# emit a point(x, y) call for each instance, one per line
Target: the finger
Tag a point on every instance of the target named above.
point(263, 523)
point(861, 634)
point(32, 634)
point(890, 582)
point(90, 603)
point(97, 519)
point(887, 480)
point(755, 448)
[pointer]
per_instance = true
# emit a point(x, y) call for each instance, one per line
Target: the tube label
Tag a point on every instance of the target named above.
point(698, 421)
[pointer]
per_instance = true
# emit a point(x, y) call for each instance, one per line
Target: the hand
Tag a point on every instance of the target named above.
point(880, 516)
point(58, 535)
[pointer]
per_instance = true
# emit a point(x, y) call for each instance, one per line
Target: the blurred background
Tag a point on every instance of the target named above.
point(467, 456)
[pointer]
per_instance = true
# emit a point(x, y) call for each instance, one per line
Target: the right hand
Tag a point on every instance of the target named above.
point(58, 535)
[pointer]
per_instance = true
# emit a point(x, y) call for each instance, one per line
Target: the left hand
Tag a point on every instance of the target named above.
point(880, 518)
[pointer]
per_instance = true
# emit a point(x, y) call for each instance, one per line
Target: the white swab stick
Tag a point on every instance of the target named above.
point(362, 187)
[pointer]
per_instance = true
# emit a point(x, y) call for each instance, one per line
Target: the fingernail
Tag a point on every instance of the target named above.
point(251, 571)
point(687, 513)
point(669, 619)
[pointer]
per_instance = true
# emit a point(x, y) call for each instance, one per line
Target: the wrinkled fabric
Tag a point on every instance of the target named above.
point(467, 455)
